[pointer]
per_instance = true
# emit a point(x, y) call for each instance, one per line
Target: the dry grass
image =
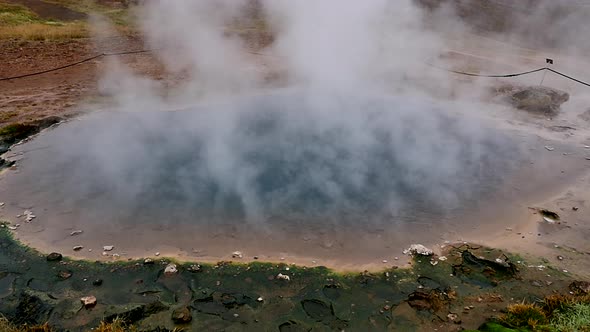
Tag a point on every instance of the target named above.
point(44, 31)
point(6, 326)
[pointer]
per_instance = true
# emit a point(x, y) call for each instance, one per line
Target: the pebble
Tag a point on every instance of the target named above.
point(157, 254)
point(237, 254)
point(260, 299)
point(108, 248)
point(78, 248)
point(1, 204)
point(78, 232)
point(549, 148)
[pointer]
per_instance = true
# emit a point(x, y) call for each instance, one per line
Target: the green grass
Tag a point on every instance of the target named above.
point(119, 16)
point(575, 318)
point(12, 15)
point(18, 22)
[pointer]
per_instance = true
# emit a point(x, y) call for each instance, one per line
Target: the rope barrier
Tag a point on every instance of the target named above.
point(146, 51)
point(72, 64)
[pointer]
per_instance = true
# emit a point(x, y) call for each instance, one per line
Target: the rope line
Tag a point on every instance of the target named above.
point(568, 77)
point(72, 64)
point(146, 51)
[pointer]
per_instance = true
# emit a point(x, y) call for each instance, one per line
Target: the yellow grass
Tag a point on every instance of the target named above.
point(44, 31)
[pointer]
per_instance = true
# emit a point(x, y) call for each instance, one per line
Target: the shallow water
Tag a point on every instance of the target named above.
point(294, 176)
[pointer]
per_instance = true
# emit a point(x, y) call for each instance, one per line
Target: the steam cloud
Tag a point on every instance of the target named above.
point(353, 133)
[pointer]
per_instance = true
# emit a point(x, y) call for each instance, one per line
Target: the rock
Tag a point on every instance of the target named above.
point(237, 254)
point(108, 248)
point(418, 249)
point(538, 99)
point(549, 148)
point(575, 208)
point(78, 248)
point(453, 318)
point(148, 261)
point(29, 216)
point(181, 315)
point(580, 287)
point(88, 301)
point(73, 233)
point(65, 274)
point(97, 282)
point(195, 268)
point(260, 299)
point(157, 254)
point(170, 269)
point(281, 276)
point(54, 257)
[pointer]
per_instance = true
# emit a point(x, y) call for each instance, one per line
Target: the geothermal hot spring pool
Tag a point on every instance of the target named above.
point(339, 181)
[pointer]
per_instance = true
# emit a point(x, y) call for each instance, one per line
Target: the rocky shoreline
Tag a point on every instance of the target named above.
point(463, 289)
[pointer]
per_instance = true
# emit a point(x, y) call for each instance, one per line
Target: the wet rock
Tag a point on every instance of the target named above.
point(418, 249)
point(293, 326)
point(54, 257)
point(97, 282)
point(580, 287)
point(88, 301)
point(181, 315)
point(65, 274)
point(421, 301)
point(32, 309)
point(170, 269)
point(130, 314)
point(322, 312)
point(538, 99)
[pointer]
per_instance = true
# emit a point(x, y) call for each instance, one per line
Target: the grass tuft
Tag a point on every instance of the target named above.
point(524, 315)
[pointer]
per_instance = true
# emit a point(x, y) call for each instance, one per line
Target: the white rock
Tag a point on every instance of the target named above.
point(260, 299)
point(442, 258)
point(549, 220)
point(549, 148)
point(78, 232)
point(170, 269)
point(108, 248)
point(418, 249)
point(237, 254)
point(281, 276)
point(12, 228)
point(1, 204)
point(157, 254)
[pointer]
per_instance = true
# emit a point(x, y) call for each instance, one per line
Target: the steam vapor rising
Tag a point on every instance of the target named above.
point(332, 144)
